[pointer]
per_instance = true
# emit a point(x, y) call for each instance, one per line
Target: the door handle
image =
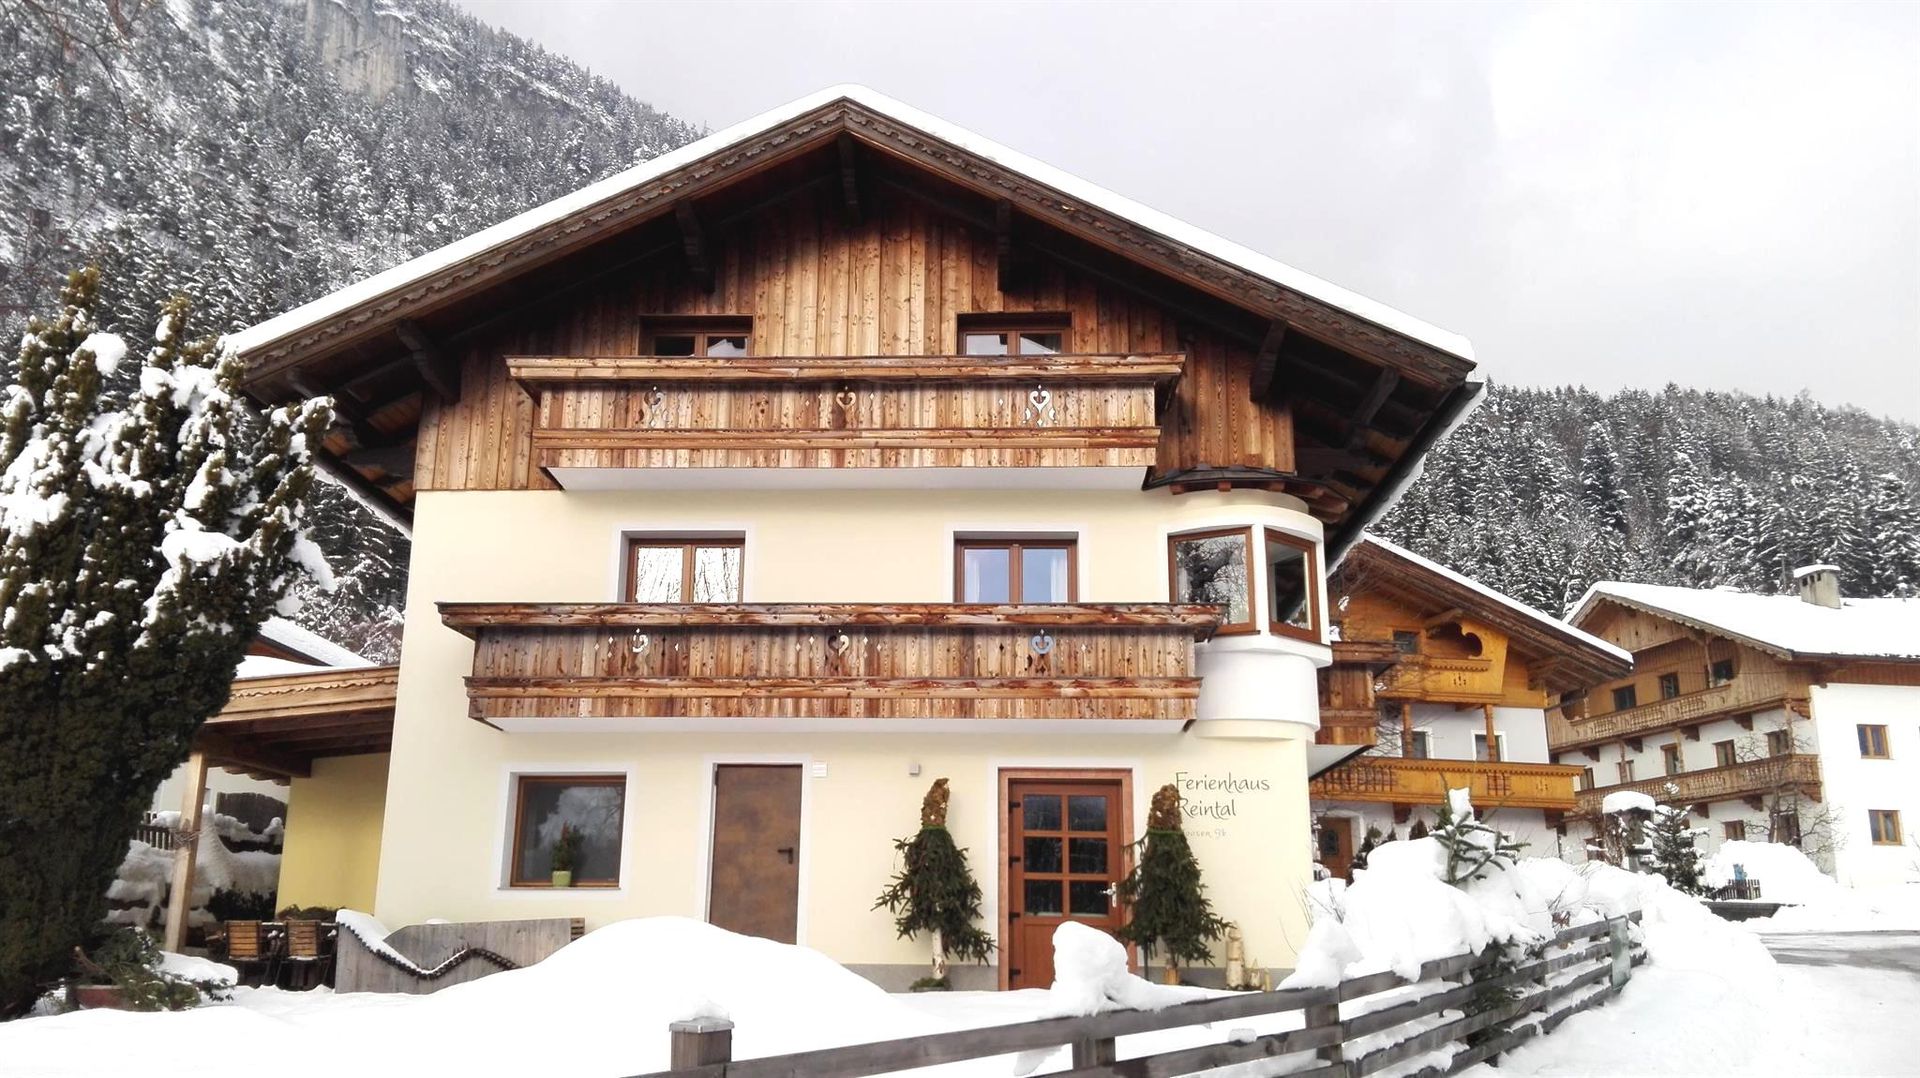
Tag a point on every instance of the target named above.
point(786, 852)
point(1113, 891)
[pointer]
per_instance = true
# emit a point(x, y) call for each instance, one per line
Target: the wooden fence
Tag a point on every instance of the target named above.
point(1582, 966)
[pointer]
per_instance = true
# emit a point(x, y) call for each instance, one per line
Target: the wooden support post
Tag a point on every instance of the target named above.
point(697, 1042)
point(1493, 739)
point(1406, 728)
point(180, 898)
point(1323, 1016)
point(1094, 1052)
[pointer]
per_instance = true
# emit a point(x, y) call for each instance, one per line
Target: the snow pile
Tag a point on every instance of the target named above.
point(1784, 873)
point(188, 967)
point(1090, 976)
point(140, 885)
point(1399, 913)
point(602, 1004)
point(1626, 801)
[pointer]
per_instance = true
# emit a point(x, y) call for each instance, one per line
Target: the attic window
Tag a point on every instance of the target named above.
point(1022, 335)
point(695, 336)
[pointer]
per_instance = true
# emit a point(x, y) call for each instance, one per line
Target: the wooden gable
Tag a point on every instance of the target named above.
point(843, 232)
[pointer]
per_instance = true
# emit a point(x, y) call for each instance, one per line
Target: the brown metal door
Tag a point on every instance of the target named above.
point(753, 886)
point(1336, 846)
point(1066, 850)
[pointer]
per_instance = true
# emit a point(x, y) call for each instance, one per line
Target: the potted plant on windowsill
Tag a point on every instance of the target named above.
point(566, 853)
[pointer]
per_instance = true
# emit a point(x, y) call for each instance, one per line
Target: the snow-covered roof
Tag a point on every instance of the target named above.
point(309, 644)
point(518, 226)
point(1783, 624)
point(1545, 620)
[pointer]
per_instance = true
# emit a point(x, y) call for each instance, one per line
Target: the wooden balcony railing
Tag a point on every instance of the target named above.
point(1753, 778)
point(1442, 679)
point(536, 664)
point(1055, 411)
point(1742, 694)
point(1402, 780)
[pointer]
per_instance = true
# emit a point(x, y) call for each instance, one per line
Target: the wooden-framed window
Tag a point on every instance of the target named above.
point(1625, 768)
point(1725, 754)
point(1012, 334)
point(1422, 745)
point(1586, 778)
point(1786, 827)
point(1670, 759)
point(1720, 672)
point(684, 569)
point(1669, 686)
point(726, 335)
point(1779, 742)
point(1499, 746)
point(1873, 742)
point(1016, 569)
point(593, 807)
point(1624, 697)
point(1734, 830)
point(1293, 592)
point(1406, 641)
point(1885, 826)
point(1215, 566)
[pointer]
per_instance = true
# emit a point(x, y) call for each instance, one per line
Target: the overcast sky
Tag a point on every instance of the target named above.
point(1724, 196)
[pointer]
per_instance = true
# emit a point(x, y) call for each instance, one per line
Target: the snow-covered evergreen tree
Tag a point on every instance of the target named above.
point(1673, 854)
point(142, 543)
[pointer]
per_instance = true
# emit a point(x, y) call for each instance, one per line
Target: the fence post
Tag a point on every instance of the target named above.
point(697, 1042)
point(1619, 945)
point(1093, 1051)
point(1327, 1015)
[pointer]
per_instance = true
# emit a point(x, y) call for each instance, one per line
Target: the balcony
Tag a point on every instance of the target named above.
point(1442, 679)
point(613, 421)
point(1402, 780)
point(1751, 779)
point(1743, 694)
point(555, 667)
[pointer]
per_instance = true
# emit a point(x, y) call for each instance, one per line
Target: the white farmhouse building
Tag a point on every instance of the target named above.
point(1772, 717)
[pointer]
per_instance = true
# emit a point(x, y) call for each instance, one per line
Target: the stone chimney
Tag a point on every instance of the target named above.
point(1819, 585)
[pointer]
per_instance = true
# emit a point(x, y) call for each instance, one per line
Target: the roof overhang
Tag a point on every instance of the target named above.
point(1578, 657)
point(1411, 372)
point(276, 727)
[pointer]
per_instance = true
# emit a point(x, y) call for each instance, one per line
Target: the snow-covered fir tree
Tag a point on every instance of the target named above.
point(1707, 489)
point(142, 543)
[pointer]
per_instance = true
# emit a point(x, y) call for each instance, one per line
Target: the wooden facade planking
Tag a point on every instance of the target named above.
point(894, 285)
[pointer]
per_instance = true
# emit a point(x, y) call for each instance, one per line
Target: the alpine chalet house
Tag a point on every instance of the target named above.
point(1439, 683)
point(1775, 718)
point(756, 487)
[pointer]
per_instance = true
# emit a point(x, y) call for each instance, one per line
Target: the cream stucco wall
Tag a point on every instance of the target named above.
point(331, 853)
point(444, 847)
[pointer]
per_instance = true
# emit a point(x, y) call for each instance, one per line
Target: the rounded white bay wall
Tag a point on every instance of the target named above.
point(1252, 682)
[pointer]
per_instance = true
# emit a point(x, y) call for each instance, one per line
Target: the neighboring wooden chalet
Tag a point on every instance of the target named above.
point(1772, 718)
point(1441, 683)
point(757, 486)
point(300, 704)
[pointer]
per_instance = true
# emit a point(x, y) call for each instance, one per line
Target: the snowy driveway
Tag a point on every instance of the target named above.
point(1897, 951)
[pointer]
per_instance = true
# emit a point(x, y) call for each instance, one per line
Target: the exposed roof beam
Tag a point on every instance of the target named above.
point(437, 369)
point(226, 751)
point(693, 243)
point(1016, 265)
point(1383, 386)
point(849, 178)
point(1266, 362)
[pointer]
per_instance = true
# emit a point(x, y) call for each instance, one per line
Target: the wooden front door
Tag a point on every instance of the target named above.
point(753, 886)
point(1336, 846)
point(1066, 851)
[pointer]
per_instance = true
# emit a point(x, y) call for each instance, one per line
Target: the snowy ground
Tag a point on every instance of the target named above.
point(1831, 1006)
